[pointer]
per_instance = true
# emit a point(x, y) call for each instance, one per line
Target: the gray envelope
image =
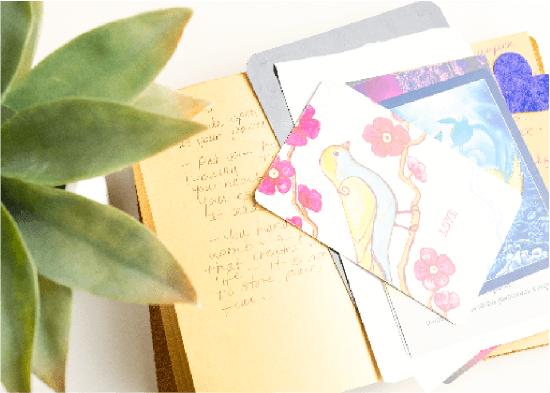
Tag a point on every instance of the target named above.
point(410, 19)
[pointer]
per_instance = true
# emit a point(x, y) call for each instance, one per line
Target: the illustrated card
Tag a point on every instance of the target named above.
point(392, 199)
point(469, 115)
point(410, 19)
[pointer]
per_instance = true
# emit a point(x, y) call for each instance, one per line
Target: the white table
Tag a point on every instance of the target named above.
point(110, 346)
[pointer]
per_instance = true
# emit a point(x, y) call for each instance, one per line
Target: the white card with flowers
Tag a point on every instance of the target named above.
point(391, 198)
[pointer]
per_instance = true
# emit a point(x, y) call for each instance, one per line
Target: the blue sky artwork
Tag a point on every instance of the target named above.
point(467, 119)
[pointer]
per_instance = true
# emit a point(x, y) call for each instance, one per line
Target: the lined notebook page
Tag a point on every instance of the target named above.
point(274, 313)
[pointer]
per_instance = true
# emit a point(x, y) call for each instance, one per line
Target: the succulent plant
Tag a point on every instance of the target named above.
point(88, 109)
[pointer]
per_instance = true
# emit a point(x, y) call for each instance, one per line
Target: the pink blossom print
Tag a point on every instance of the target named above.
point(277, 178)
point(433, 270)
point(310, 199)
point(417, 169)
point(307, 128)
point(385, 138)
point(446, 301)
point(296, 221)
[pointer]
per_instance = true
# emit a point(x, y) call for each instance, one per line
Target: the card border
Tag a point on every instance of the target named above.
point(487, 76)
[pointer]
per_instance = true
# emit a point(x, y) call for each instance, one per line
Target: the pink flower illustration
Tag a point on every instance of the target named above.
point(296, 221)
point(446, 301)
point(310, 199)
point(277, 178)
point(307, 128)
point(433, 270)
point(417, 168)
point(386, 139)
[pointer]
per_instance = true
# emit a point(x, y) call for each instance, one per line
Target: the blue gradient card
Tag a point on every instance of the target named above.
point(469, 115)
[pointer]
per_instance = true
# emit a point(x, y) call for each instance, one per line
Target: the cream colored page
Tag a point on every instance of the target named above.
point(274, 312)
point(517, 43)
point(534, 341)
point(533, 125)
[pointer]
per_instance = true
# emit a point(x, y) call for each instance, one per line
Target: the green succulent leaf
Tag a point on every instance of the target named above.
point(52, 339)
point(19, 307)
point(20, 27)
point(116, 61)
point(95, 248)
point(7, 114)
point(165, 101)
point(74, 139)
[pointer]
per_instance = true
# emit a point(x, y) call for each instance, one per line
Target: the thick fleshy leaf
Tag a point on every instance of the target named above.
point(19, 307)
point(20, 27)
point(116, 61)
point(95, 248)
point(7, 114)
point(68, 140)
point(165, 101)
point(52, 338)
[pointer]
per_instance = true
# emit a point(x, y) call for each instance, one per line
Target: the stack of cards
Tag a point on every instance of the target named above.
point(409, 164)
point(393, 199)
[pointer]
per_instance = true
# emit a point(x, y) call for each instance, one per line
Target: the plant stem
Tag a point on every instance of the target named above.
point(415, 214)
point(429, 302)
point(301, 209)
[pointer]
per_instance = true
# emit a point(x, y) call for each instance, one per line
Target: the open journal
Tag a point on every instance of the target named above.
point(274, 313)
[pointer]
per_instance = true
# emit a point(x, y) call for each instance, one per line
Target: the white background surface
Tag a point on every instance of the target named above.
point(110, 346)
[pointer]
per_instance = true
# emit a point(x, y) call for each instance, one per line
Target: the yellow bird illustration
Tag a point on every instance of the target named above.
point(369, 204)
